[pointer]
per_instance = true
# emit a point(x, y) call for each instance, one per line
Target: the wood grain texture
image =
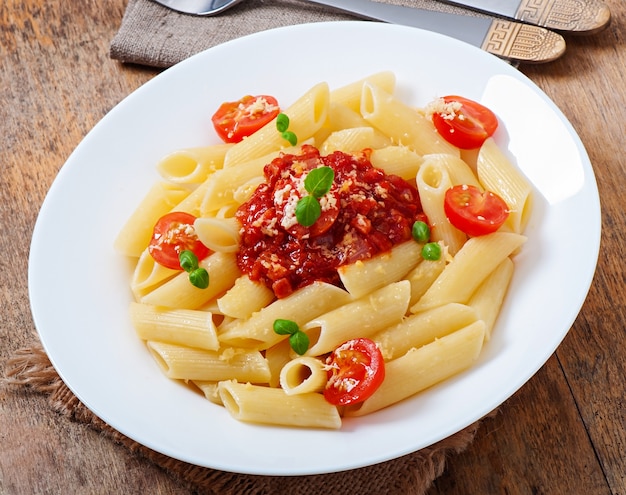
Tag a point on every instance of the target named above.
point(562, 432)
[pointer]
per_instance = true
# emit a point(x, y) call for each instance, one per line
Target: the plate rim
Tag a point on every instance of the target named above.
point(32, 277)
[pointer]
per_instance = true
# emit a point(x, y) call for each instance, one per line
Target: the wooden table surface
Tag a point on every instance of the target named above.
point(564, 432)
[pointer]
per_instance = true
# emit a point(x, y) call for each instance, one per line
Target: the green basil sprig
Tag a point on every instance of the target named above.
point(317, 183)
point(298, 340)
point(282, 125)
point(198, 277)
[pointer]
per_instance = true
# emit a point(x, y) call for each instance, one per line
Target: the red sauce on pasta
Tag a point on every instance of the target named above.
point(366, 212)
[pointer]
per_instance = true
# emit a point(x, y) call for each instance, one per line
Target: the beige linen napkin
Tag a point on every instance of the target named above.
point(153, 35)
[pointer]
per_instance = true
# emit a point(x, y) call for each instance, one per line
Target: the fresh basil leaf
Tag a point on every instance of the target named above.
point(319, 181)
point(291, 137)
point(299, 342)
point(308, 210)
point(199, 278)
point(188, 260)
point(282, 122)
point(285, 327)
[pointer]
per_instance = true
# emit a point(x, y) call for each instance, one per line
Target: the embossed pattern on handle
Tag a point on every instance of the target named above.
point(582, 16)
point(523, 42)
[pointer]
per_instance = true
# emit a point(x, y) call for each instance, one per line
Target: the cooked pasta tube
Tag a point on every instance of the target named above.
point(186, 327)
point(371, 313)
point(341, 117)
point(301, 306)
point(350, 95)
point(256, 404)
point(433, 180)
point(192, 203)
point(209, 389)
point(218, 234)
point(422, 328)
point(278, 356)
point(192, 165)
point(148, 274)
point(187, 363)
point(472, 264)
point(303, 374)
point(136, 233)
point(397, 160)
point(178, 292)
point(423, 276)
point(306, 116)
point(422, 368)
point(403, 124)
point(498, 174)
point(244, 298)
point(354, 140)
point(366, 276)
point(488, 298)
point(459, 172)
point(221, 186)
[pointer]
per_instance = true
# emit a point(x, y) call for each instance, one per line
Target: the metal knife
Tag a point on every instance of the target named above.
point(574, 16)
point(510, 40)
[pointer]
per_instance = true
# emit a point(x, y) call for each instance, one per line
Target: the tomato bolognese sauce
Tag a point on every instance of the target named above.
point(365, 212)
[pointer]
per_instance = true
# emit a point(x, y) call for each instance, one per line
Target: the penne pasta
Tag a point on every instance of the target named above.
point(472, 264)
point(184, 327)
point(187, 363)
point(422, 368)
point(401, 123)
point(319, 235)
point(361, 318)
point(366, 276)
point(193, 165)
point(244, 298)
point(497, 173)
point(218, 234)
point(488, 298)
point(307, 115)
point(350, 95)
point(397, 160)
point(422, 328)
point(148, 275)
point(433, 180)
point(267, 405)
point(423, 276)
point(354, 140)
point(303, 305)
point(136, 233)
point(179, 293)
point(303, 375)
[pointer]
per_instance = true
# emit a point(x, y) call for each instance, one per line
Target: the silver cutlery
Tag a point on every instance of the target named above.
point(510, 40)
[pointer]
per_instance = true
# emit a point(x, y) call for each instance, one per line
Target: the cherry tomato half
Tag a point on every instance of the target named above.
point(356, 370)
point(173, 233)
point(466, 127)
point(235, 120)
point(473, 211)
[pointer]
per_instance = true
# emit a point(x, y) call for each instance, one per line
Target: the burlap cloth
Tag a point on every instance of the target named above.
point(30, 370)
point(153, 35)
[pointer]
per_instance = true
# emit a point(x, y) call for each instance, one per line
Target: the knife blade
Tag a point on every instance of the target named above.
point(574, 16)
point(509, 40)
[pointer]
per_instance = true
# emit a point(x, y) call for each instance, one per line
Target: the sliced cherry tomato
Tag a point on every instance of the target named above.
point(467, 126)
point(356, 370)
point(173, 233)
point(473, 211)
point(235, 120)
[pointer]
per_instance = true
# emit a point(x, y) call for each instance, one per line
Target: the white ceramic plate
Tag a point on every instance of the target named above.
point(79, 285)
